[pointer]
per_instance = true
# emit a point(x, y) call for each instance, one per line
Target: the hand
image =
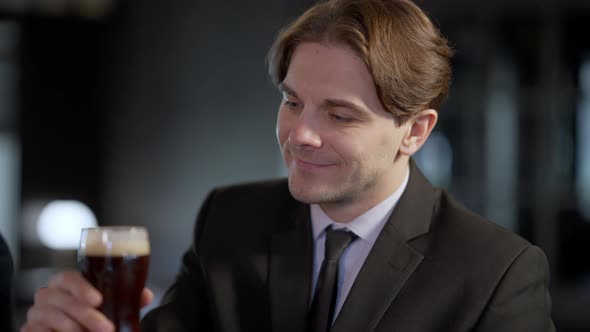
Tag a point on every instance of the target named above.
point(69, 304)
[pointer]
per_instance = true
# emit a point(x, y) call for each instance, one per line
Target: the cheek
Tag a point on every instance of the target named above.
point(389, 145)
point(282, 130)
point(388, 142)
point(388, 137)
point(373, 149)
point(349, 148)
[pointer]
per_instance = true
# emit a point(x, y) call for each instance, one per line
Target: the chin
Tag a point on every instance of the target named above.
point(300, 194)
point(302, 191)
point(311, 194)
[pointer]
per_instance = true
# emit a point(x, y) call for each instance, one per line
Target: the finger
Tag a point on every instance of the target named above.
point(73, 282)
point(81, 313)
point(30, 327)
point(147, 296)
point(51, 319)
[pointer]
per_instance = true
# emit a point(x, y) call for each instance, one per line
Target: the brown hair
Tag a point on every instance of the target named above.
point(404, 52)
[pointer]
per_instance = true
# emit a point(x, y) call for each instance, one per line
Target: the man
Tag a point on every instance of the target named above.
point(357, 239)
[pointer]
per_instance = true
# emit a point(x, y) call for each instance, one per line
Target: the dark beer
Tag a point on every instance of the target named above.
point(119, 272)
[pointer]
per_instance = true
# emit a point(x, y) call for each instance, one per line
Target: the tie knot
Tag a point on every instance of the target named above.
point(336, 241)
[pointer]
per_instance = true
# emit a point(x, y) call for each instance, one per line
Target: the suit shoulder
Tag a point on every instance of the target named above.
point(472, 250)
point(476, 234)
point(247, 206)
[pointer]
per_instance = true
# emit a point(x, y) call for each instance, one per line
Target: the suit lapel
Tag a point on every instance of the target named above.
point(392, 259)
point(388, 266)
point(290, 273)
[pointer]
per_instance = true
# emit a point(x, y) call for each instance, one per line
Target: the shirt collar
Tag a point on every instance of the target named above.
point(368, 225)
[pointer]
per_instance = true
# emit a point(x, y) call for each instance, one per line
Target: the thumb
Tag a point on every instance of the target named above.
point(147, 296)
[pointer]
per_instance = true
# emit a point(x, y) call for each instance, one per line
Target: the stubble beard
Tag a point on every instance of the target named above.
point(334, 192)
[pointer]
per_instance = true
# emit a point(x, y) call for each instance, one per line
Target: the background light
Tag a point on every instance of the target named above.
point(435, 159)
point(583, 137)
point(60, 223)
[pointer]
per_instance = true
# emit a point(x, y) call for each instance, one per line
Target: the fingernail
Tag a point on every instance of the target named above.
point(95, 298)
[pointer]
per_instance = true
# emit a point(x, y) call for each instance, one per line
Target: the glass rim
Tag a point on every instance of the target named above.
point(114, 228)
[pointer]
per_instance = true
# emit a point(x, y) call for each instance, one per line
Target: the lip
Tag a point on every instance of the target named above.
point(308, 165)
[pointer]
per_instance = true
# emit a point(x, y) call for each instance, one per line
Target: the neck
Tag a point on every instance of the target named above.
point(345, 211)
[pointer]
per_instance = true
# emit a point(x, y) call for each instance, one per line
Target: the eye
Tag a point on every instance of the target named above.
point(291, 103)
point(340, 118)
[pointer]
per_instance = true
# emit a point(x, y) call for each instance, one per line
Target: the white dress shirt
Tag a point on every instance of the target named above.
point(367, 227)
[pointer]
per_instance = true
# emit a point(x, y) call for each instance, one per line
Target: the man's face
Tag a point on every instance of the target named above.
point(338, 142)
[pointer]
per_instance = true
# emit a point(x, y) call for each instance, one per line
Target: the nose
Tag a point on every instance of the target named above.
point(304, 132)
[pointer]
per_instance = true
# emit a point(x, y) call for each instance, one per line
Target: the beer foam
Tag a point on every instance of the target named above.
point(135, 248)
point(115, 241)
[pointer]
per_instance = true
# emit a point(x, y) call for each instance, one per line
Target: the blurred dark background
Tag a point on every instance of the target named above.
point(138, 109)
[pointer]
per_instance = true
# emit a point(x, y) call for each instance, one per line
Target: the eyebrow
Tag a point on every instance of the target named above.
point(287, 89)
point(358, 110)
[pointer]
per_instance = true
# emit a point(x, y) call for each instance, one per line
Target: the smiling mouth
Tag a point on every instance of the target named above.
point(308, 165)
point(301, 160)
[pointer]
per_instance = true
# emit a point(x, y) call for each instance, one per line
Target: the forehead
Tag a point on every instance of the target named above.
point(331, 70)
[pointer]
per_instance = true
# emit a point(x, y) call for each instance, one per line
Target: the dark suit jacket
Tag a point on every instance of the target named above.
point(434, 267)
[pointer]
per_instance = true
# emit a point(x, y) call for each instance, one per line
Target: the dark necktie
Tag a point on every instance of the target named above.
point(322, 307)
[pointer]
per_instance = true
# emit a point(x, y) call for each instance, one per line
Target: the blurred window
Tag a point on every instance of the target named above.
point(9, 141)
point(9, 164)
point(583, 142)
point(435, 159)
point(501, 145)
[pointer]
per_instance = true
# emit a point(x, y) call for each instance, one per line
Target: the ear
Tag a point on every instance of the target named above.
point(419, 128)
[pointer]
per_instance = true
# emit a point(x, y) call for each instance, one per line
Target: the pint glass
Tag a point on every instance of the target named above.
point(115, 261)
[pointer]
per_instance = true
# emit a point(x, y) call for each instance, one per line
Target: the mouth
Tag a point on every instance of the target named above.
point(304, 161)
point(308, 165)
